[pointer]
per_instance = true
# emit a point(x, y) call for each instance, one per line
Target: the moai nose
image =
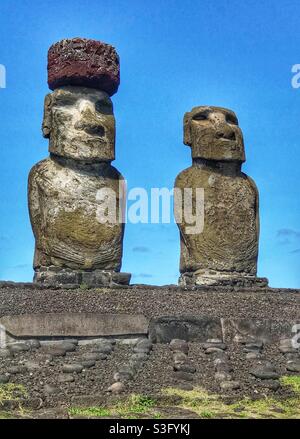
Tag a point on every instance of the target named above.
point(224, 131)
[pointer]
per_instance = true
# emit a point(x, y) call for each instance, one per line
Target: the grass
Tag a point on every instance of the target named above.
point(292, 381)
point(12, 392)
point(208, 405)
point(131, 408)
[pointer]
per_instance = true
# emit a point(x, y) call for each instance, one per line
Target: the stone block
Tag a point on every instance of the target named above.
point(189, 328)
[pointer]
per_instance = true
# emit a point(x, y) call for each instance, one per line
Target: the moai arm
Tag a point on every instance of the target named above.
point(33, 202)
point(255, 190)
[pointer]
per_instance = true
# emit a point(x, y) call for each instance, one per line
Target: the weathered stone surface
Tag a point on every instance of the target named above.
point(184, 368)
point(18, 347)
point(71, 368)
point(226, 247)
point(230, 385)
point(116, 388)
point(5, 353)
point(293, 366)
point(87, 364)
point(184, 376)
point(264, 373)
point(75, 325)
point(197, 328)
point(84, 62)
point(177, 345)
point(67, 225)
point(4, 379)
point(94, 356)
point(76, 198)
point(50, 389)
point(65, 378)
point(55, 352)
point(14, 370)
point(245, 330)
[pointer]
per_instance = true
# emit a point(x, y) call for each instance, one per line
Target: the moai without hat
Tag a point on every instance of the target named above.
point(74, 242)
point(225, 250)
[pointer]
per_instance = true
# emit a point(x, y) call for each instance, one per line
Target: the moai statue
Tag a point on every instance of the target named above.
point(75, 243)
point(225, 250)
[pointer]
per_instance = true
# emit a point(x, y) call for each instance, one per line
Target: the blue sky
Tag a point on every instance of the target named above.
point(174, 55)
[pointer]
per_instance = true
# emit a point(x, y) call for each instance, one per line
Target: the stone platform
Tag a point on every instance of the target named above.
point(82, 346)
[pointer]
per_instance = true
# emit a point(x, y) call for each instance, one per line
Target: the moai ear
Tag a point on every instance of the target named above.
point(47, 122)
point(187, 140)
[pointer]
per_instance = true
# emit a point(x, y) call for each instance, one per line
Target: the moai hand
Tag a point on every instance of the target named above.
point(225, 251)
point(75, 242)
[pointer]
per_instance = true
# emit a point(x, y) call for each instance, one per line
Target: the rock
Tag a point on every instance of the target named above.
point(18, 347)
point(14, 370)
point(144, 344)
point(66, 378)
point(185, 386)
point(5, 353)
point(71, 340)
point(117, 387)
point(139, 357)
point(286, 346)
point(213, 351)
point(223, 376)
point(253, 355)
point(180, 357)
point(264, 373)
point(216, 255)
point(184, 327)
point(33, 344)
point(94, 356)
point(67, 65)
point(32, 366)
point(138, 350)
point(67, 346)
point(293, 366)
point(50, 389)
point(177, 345)
point(253, 346)
point(185, 368)
point(292, 356)
point(103, 349)
point(223, 367)
point(4, 379)
point(56, 352)
point(221, 346)
point(71, 368)
point(87, 364)
point(184, 376)
point(270, 384)
point(136, 364)
point(214, 340)
point(123, 376)
point(230, 385)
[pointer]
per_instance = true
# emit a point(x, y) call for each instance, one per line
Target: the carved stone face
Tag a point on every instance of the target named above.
point(214, 134)
point(80, 124)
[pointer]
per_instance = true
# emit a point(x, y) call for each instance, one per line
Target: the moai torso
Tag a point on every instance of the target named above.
point(76, 240)
point(65, 213)
point(227, 247)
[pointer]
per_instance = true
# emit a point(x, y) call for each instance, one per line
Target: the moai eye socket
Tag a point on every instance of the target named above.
point(104, 107)
point(200, 116)
point(64, 100)
point(230, 118)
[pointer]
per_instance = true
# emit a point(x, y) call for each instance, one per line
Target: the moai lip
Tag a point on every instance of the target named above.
point(73, 245)
point(225, 250)
point(84, 62)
